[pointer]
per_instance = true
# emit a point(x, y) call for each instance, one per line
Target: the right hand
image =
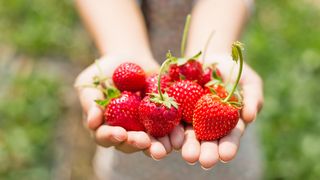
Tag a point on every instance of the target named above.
point(108, 136)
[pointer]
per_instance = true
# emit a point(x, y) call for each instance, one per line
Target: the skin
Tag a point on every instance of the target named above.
point(110, 33)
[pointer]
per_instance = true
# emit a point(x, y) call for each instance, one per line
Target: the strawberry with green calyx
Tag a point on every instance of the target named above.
point(121, 109)
point(210, 73)
point(185, 68)
point(215, 117)
point(159, 113)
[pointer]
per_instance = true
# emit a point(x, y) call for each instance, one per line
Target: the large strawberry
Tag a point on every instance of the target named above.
point(215, 117)
point(186, 93)
point(159, 112)
point(152, 83)
point(129, 77)
point(123, 111)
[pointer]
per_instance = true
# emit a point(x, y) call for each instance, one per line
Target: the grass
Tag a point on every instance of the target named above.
point(282, 44)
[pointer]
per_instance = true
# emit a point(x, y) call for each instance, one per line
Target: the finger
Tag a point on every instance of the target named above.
point(191, 147)
point(229, 145)
point(209, 154)
point(136, 141)
point(95, 117)
point(157, 151)
point(252, 98)
point(177, 137)
point(87, 100)
point(166, 143)
point(110, 135)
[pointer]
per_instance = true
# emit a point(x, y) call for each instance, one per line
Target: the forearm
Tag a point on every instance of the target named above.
point(117, 27)
point(225, 18)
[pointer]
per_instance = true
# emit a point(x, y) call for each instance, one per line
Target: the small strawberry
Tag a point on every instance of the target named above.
point(159, 112)
point(185, 68)
point(152, 83)
point(123, 111)
point(186, 93)
point(129, 77)
point(190, 70)
point(210, 73)
point(220, 91)
point(213, 116)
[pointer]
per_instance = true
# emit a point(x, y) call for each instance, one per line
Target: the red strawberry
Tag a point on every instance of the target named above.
point(159, 112)
point(129, 77)
point(186, 93)
point(213, 118)
point(191, 70)
point(158, 119)
point(152, 83)
point(219, 90)
point(123, 111)
point(208, 76)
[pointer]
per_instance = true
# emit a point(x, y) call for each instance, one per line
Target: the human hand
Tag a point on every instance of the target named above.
point(209, 152)
point(108, 136)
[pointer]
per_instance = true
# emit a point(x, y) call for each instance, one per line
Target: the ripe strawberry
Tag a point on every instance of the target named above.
point(123, 111)
point(219, 90)
point(191, 70)
point(129, 77)
point(208, 74)
point(158, 119)
point(186, 93)
point(159, 112)
point(152, 83)
point(214, 117)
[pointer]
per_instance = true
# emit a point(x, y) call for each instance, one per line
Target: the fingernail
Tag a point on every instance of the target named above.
point(154, 158)
point(206, 169)
point(225, 162)
point(191, 163)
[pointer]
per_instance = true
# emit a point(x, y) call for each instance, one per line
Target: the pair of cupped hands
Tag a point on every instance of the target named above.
point(182, 138)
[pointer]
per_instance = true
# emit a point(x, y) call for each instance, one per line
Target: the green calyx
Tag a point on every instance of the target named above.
point(164, 99)
point(237, 56)
point(101, 83)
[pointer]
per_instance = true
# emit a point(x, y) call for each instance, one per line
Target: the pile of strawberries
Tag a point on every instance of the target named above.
point(184, 91)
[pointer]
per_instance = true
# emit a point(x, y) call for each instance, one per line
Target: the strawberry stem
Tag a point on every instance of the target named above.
point(162, 68)
point(207, 45)
point(185, 35)
point(236, 55)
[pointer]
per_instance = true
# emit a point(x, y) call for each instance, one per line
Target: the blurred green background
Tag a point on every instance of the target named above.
point(40, 38)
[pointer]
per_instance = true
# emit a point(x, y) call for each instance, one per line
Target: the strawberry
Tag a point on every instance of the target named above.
point(214, 117)
point(123, 111)
point(186, 93)
point(190, 70)
point(129, 77)
point(184, 68)
point(219, 90)
point(210, 73)
point(158, 119)
point(159, 112)
point(152, 83)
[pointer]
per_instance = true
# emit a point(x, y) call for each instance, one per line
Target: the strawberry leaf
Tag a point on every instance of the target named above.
point(103, 102)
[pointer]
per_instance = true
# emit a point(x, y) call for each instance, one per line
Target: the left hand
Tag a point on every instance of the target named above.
point(208, 153)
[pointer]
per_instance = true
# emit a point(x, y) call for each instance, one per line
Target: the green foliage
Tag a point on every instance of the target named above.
point(29, 108)
point(283, 45)
point(37, 28)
